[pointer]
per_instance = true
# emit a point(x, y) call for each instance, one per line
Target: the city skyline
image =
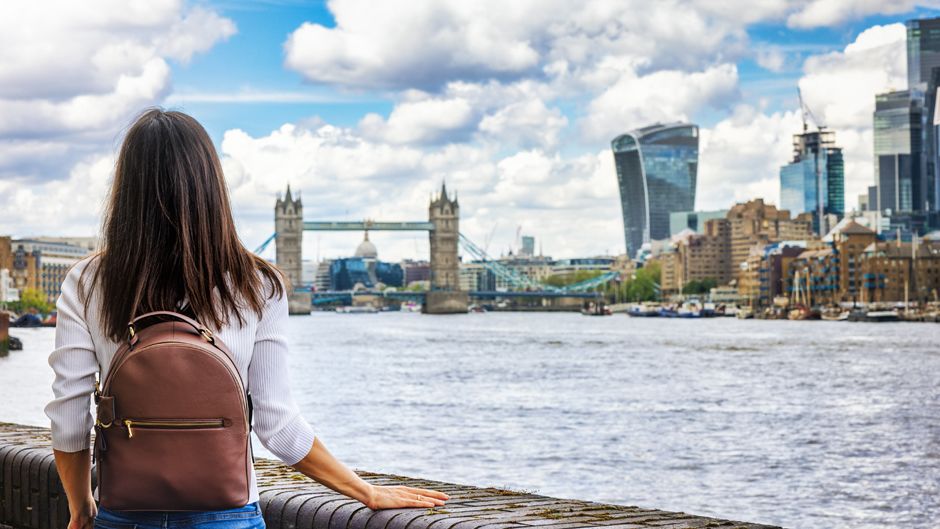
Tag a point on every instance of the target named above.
point(515, 110)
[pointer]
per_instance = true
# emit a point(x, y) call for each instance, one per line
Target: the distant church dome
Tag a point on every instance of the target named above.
point(366, 249)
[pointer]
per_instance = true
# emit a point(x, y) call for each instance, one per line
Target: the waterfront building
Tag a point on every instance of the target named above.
point(474, 276)
point(706, 255)
point(6, 253)
point(537, 268)
point(657, 169)
point(814, 181)
point(90, 244)
point(321, 280)
point(900, 170)
point(850, 239)
point(755, 223)
point(578, 264)
point(43, 265)
point(364, 270)
point(7, 292)
point(668, 272)
point(416, 271)
point(766, 277)
point(893, 271)
point(813, 277)
point(693, 220)
point(528, 246)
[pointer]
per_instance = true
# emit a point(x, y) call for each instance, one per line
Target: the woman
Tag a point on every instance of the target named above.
point(169, 243)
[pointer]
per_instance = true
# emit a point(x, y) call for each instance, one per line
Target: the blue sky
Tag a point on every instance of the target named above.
point(252, 60)
point(367, 107)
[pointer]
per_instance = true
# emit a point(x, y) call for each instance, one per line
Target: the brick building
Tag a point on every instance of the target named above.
point(895, 271)
point(755, 223)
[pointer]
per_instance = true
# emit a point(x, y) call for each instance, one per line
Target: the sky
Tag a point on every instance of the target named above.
point(368, 107)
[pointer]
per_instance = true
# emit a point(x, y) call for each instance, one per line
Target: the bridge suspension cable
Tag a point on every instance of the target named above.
point(514, 278)
point(265, 244)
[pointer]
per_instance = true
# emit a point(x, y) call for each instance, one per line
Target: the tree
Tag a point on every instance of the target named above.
point(703, 286)
point(563, 280)
point(31, 298)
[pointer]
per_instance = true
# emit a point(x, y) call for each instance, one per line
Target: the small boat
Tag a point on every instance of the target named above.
point(643, 311)
point(668, 312)
point(881, 315)
point(357, 309)
point(27, 320)
point(592, 308)
point(835, 315)
point(476, 308)
point(744, 313)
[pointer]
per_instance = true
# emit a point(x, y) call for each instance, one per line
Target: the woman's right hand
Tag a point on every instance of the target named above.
point(398, 496)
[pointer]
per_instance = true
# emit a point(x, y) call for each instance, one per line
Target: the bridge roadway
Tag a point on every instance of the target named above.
point(32, 497)
point(362, 225)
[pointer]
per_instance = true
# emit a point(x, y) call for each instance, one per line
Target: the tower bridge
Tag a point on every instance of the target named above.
point(444, 296)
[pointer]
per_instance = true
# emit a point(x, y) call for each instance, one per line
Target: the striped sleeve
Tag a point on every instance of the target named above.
point(277, 420)
point(74, 362)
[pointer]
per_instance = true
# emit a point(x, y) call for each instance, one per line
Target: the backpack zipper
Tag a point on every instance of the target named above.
point(172, 424)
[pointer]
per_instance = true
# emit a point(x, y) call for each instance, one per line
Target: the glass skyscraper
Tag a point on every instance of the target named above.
point(657, 169)
point(814, 181)
point(900, 169)
point(923, 77)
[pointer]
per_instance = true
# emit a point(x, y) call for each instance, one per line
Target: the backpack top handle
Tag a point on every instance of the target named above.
point(201, 329)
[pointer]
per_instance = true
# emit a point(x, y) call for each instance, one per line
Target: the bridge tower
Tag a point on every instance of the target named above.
point(289, 227)
point(445, 296)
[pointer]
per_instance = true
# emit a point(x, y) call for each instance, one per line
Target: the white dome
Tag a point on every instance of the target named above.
point(366, 249)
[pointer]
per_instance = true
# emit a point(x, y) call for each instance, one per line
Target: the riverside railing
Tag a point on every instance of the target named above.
point(31, 497)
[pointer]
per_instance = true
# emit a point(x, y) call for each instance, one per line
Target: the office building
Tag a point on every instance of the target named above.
point(923, 77)
point(814, 181)
point(692, 220)
point(43, 265)
point(657, 169)
point(900, 170)
point(755, 223)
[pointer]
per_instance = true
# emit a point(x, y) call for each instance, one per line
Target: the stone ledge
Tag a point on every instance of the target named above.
point(31, 497)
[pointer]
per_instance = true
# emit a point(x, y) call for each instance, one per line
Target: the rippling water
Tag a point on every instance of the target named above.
point(802, 424)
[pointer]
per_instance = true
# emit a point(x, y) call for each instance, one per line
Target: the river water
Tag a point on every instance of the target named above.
point(801, 424)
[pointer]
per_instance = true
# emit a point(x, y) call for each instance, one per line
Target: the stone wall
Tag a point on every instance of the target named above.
point(31, 497)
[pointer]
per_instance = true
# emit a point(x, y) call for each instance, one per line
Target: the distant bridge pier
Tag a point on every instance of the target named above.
point(445, 296)
point(289, 236)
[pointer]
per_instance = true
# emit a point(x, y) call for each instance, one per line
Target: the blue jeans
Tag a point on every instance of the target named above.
point(247, 517)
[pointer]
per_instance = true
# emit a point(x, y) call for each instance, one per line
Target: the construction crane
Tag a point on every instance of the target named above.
point(807, 113)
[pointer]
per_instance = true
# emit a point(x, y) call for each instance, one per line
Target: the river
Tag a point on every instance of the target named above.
point(801, 424)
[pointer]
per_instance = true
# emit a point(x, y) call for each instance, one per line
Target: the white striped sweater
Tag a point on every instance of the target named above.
point(82, 349)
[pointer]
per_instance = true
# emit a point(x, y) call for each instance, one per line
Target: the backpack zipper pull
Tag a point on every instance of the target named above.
point(130, 432)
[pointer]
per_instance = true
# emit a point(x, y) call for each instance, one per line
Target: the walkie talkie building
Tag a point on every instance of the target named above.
point(657, 168)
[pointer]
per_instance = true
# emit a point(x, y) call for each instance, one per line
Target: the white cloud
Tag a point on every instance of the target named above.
point(840, 89)
point(344, 176)
point(771, 58)
point(635, 101)
point(428, 43)
point(74, 73)
point(740, 157)
point(818, 13)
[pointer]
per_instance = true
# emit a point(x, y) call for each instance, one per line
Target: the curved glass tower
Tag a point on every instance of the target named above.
point(657, 167)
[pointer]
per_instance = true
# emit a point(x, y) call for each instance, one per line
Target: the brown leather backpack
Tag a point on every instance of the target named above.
point(173, 421)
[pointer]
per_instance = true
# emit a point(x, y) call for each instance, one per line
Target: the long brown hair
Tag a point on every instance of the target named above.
point(168, 233)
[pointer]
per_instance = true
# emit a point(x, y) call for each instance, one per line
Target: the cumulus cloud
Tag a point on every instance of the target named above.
point(840, 89)
point(344, 176)
point(428, 43)
point(71, 81)
point(818, 13)
point(636, 101)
